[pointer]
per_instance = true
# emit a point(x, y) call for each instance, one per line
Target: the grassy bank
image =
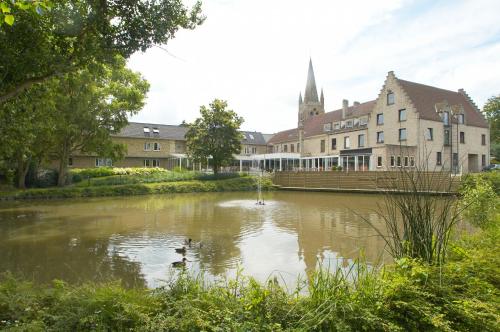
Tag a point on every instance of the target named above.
point(462, 295)
point(243, 183)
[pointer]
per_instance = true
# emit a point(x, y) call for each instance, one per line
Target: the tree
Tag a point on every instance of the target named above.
point(492, 112)
point(76, 33)
point(214, 135)
point(93, 104)
point(7, 8)
point(26, 124)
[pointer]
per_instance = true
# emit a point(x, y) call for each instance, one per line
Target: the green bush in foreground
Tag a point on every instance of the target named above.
point(462, 295)
point(246, 183)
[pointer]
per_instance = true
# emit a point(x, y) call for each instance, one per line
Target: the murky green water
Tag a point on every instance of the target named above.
point(134, 238)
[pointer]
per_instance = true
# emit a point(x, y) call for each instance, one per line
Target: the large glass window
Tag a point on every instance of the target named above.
point(402, 134)
point(101, 162)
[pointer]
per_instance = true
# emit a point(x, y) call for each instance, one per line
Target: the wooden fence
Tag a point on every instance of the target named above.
point(368, 181)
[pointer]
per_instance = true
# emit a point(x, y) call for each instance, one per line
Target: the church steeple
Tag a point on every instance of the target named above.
point(322, 98)
point(311, 94)
point(300, 98)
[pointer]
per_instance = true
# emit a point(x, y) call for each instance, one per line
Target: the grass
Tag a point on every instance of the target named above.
point(462, 295)
point(244, 183)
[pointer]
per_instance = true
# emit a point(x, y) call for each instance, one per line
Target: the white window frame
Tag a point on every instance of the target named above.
point(347, 142)
point(380, 134)
point(362, 137)
point(156, 146)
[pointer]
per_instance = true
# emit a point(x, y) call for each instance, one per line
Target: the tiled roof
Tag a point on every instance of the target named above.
point(424, 98)
point(137, 130)
point(314, 126)
point(285, 136)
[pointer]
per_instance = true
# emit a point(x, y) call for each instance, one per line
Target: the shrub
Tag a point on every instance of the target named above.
point(478, 199)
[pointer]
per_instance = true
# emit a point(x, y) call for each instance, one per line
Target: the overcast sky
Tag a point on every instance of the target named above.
point(255, 53)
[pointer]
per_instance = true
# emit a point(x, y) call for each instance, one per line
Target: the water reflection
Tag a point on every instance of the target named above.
point(134, 238)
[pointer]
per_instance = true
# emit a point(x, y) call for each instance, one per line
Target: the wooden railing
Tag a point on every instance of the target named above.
point(369, 181)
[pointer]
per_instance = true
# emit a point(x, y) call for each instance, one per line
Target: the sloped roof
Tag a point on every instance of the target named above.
point(424, 97)
point(136, 130)
point(285, 136)
point(314, 126)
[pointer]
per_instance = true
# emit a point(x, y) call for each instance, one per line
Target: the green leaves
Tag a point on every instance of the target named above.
point(9, 19)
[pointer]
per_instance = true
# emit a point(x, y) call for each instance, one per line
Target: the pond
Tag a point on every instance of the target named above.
point(133, 238)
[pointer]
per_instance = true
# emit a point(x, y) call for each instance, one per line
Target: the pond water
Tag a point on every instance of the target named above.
point(133, 238)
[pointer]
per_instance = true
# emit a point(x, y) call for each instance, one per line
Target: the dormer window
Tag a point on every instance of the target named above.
point(446, 118)
point(336, 126)
point(156, 132)
point(348, 124)
point(327, 127)
point(390, 98)
point(251, 136)
point(147, 131)
point(461, 118)
point(356, 122)
point(363, 121)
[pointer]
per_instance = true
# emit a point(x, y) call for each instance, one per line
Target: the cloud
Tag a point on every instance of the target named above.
point(255, 53)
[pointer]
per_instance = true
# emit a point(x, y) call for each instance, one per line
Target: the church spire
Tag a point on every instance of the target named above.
point(311, 94)
point(300, 98)
point(322, 98)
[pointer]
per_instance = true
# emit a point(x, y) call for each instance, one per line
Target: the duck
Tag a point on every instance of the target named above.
point(180, 263)
point(188, 242)
point(180, 250)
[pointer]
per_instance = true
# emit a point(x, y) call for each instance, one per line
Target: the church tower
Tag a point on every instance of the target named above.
point(311, 105)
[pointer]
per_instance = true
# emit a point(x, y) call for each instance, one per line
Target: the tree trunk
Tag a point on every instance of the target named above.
point(63, 161)
point(22, 170)
point(216, 167)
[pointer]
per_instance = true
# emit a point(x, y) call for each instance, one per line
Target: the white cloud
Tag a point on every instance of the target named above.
point(254, 54)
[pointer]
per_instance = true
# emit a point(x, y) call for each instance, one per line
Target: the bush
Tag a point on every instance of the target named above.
point(478, 200)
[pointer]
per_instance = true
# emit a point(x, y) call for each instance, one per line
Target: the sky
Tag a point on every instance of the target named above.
point(255, 53)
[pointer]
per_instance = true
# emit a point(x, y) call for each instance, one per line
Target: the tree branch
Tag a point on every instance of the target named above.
point(23, 86)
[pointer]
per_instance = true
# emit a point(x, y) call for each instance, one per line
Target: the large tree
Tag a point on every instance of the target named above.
point(492, 112)
point(74, 33)
point(93, 104)
point(215, 134)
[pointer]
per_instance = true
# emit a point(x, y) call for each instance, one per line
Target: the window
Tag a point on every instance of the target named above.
point(390, 98)
point(398, 161)
point(70, 161)
point(322, 145)
point(327, 127)
point(446, 137)
point(380, 137)
point(254, 149)
point(292, 148)
point(363, 121)
point(298, 147)
point(348, 124)
point(402, 115)
point(147, 146)
point(393, 163)
point(147, 131)
point(406, 161)
point(361, 140)
point(336, 126)
point(483, 139)
point(285, 148)
point(251, 136)
point(483, 160)
point(347, 143)
point(446, 118)
point(439, 159)
point(146, 163)
point(462, 137)
point(156, 146)
point(461, 119)
point(402, 134)
point(156, 132)
point(380, 119)
point(334, 144)
point(356, 122)
point(156, 162)
point(455, 159)
point(412, 161)
point(247, 151)
point(429, 134)
point(379, 161)
point(101, 162)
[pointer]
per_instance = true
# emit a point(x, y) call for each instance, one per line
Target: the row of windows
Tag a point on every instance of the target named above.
point(445, 116)
point(401, 117)
point(285, 148)
point(398, 161)
point(151, 162)
point(363, 121)
point(155, 146)
point(251, 149)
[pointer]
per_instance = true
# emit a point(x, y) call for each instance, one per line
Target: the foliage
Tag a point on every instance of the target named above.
point(479, 200)
point(215, 134)
point(245, 183)
point(85, 173)
point(76, 33)
point(8, 7)
point(492, 112)
point(461, 295)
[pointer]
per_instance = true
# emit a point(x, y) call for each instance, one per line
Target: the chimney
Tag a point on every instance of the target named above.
point(345, 105)
point(356, 103)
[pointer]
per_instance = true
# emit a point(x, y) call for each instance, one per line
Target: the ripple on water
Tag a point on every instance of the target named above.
point(247, 204)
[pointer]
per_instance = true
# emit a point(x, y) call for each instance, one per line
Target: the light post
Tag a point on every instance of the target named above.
point(449, 112)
